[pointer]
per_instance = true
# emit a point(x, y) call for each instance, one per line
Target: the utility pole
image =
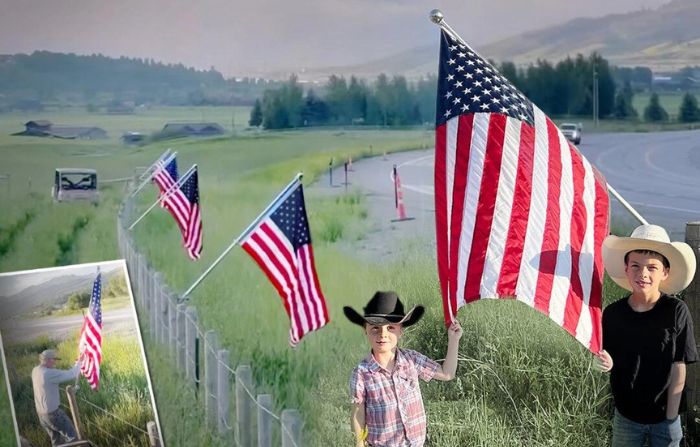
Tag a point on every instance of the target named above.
point(595, 95)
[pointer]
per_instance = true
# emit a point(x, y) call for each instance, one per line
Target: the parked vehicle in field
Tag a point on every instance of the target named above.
point(572, 131)
point(72, 184)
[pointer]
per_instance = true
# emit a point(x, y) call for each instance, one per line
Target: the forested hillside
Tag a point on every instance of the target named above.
point(56, 77)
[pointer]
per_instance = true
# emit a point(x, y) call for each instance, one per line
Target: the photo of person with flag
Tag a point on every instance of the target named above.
point(83, 313)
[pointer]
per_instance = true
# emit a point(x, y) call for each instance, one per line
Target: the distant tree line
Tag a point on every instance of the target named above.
point(386, 101)
point(48, 77)
point(562, 89)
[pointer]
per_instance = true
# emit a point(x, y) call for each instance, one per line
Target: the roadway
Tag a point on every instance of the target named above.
point(119, 320)
point(657, 173)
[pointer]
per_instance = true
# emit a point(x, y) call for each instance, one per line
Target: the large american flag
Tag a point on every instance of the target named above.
point(281, 245)
point(90, 342)
point(519, 211)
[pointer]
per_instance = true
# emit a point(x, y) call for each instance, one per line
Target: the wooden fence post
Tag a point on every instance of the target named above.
point(75, 411)
point(211, 375)
point(153, 437)
point(163, 312)
point(155, 303)
point(136, 277)
point(190, 340)
point(153, 309)
point(692, 300)
point(172, 327)
point(181, 338)
point(244, 381)
point(291, 428)
point(142, 282)
point(223, 391)
point(264, 420)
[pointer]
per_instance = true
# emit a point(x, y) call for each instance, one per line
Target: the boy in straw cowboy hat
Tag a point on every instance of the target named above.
point(648, 337)
point(387, 406)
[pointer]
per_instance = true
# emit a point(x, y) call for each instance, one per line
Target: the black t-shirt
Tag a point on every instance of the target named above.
point(643, 346)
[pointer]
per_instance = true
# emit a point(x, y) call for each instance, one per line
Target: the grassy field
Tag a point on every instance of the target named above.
point(670, 101)
point(521, 380)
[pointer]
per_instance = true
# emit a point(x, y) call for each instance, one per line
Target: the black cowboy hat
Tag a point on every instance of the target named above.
point(385, 308)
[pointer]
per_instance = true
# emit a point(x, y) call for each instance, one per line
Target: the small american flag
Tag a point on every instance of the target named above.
point(281, 245)
point(192, 232)
point(519, 211)
point(166, 177)
point(90, 344)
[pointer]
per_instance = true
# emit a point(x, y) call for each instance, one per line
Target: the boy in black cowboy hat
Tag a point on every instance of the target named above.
point(387, 403)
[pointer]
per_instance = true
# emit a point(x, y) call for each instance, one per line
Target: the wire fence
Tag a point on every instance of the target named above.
point(150, 439)
point(197, 355)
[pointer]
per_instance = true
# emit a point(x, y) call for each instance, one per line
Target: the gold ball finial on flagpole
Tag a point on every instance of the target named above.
point(436, 16)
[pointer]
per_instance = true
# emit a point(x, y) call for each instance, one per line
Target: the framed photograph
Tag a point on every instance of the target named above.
point(73, 358)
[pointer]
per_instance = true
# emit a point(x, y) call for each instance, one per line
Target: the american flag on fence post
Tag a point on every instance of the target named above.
point(281, 246)
point(519, 211)
point(182, 202)
point(90, 342)
point(192, 233)
point(165, 175)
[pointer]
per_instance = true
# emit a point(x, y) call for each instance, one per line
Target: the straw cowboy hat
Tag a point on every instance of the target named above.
point(650, 237)
point(384, 308)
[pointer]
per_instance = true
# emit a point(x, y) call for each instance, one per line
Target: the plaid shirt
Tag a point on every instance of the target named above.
point(394, 411)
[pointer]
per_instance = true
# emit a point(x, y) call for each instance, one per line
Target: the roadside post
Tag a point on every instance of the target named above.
point(692, 300)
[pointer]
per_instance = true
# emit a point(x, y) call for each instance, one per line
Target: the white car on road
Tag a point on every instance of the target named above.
point(572, 132)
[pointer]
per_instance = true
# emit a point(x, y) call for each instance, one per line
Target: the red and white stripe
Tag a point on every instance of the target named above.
point(520, 213)
point(90, 346)
point(193, 233)
point(294, 276)
point(175, 201)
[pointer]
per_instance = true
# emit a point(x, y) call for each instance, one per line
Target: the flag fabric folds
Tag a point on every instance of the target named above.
point(90, 341)
point(281, 245)
point(182, 202)
point(165, 177)
point(519, 211)
point(192, 233)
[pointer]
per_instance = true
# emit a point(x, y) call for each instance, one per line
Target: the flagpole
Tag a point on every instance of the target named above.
point(163, 156)
point(77, 378)
point(624, 203)
point(167, 193)
point(280, 197)
point(166, 159)
point(438, 18)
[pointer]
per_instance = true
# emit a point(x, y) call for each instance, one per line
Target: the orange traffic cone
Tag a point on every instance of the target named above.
point(400, 207)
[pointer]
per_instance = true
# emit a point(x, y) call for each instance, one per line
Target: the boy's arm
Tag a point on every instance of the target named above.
point(449, 367)
point(358, 424)
point(675, 389)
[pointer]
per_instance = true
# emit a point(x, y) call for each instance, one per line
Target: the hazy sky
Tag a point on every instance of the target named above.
point(246, 37)
point(11, 283)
